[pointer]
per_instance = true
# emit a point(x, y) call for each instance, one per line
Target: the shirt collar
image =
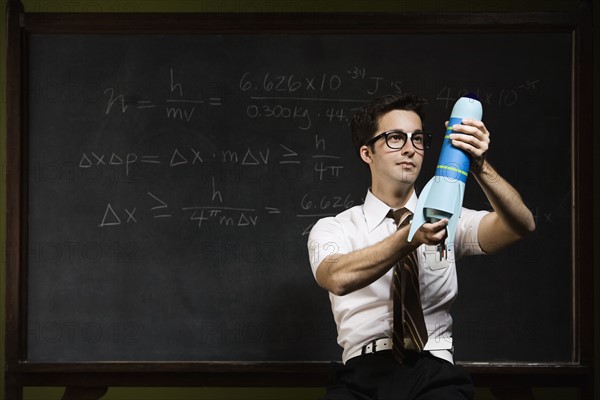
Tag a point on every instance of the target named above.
point(376, 210)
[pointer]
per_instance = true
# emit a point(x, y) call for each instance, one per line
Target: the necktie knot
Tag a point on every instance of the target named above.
point(401, 216)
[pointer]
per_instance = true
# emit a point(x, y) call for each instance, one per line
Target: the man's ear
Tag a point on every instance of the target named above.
point(365, 154)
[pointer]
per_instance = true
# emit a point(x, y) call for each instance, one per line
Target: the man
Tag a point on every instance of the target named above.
point(354, 253)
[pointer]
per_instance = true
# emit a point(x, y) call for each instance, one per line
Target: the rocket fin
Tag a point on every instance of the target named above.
point(453, 221)
point(419, 214)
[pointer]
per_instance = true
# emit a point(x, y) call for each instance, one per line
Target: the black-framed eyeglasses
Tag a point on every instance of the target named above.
point(396, 139)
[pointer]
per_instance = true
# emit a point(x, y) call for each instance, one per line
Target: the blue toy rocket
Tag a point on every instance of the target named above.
point(442, 197)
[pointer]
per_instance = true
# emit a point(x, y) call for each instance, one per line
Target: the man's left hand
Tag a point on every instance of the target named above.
point(475, 141)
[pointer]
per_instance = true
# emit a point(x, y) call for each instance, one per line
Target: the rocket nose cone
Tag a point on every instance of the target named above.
point(466, 107)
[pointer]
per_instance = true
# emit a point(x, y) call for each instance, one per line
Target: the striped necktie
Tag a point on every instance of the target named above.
point(410, 332)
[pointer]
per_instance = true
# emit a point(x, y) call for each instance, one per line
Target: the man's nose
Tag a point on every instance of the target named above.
point(408, 147)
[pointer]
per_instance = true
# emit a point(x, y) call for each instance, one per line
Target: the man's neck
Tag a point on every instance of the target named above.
point(395, 197)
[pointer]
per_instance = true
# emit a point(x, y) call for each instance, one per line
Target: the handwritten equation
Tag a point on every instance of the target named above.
point(304, 99)
point(155, 207)
point(315, 105)
point(176, 107)
point(271, 94)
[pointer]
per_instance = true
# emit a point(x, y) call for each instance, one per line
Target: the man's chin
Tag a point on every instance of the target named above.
point(408, 177)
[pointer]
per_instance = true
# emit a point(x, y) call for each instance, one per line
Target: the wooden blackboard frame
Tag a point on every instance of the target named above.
point(96, 376)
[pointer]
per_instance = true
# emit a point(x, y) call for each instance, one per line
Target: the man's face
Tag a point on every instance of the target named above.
point(393, 165)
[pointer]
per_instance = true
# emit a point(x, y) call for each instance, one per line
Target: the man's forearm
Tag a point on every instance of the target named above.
point(341, 274)
point(512, 219)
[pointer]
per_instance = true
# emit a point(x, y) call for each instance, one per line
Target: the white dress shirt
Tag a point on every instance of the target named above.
point(366, 314)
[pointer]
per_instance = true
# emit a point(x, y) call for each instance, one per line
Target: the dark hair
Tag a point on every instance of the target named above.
point(365, 121)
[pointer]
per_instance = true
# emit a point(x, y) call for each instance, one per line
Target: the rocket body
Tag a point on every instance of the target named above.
point(442, 197)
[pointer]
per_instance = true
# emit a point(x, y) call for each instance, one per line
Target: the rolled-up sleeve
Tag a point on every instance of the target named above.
point(325, 238)
point(466, 241)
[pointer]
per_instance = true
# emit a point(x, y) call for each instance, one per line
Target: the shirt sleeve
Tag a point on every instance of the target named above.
point(466, 242)
point(326, 238)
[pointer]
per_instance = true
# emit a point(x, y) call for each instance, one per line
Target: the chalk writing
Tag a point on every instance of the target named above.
point(303, 101)
point(177, 108)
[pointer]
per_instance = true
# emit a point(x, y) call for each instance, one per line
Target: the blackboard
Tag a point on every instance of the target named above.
point(172, 180)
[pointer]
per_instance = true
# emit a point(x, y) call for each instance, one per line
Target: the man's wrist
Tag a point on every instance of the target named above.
point(480, 168)
point(485, 172)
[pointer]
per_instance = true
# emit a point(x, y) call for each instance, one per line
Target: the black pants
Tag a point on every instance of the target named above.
point(378, 376)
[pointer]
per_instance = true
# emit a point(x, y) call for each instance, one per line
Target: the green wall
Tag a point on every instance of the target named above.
point(265, 6)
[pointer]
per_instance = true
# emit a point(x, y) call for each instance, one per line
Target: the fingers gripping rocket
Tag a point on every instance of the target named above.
point(442, 197)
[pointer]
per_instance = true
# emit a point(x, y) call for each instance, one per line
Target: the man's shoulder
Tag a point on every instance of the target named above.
point(348, 217)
